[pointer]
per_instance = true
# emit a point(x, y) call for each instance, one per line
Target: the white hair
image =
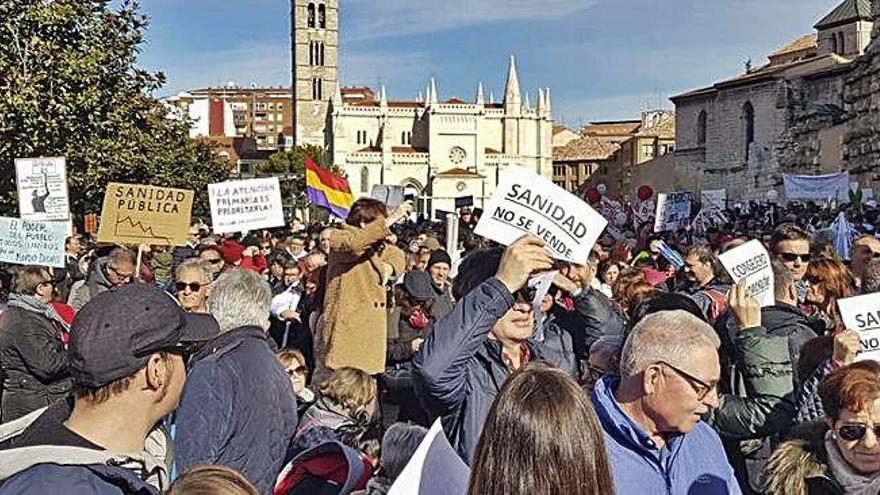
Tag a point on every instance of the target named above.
point(240, 298)
point(201, 266)
point(670, 336)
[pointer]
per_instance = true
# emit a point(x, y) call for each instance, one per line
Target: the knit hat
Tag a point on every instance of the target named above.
point(439, 256)
point(232, 251)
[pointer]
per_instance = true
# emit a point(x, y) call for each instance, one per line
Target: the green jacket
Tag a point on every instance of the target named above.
point(763, 403)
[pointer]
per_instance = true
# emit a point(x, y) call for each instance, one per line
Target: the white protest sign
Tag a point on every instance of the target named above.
point(42, 188)
point(242, 205)
point(673, 211)
point(392, 196)
point(862, 314)
point(28, 242)
point(714, 199)
point(434, 469)
point(526, 203)
point(821, 187)
point(752, 263)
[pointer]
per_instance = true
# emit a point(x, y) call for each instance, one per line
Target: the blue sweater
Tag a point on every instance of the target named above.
point(691, 463)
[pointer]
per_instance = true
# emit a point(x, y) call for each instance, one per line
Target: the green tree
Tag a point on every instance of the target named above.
point(70, 86)
point(290, 166)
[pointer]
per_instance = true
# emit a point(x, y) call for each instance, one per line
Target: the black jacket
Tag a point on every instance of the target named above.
point(594, 315)
point(34, 362)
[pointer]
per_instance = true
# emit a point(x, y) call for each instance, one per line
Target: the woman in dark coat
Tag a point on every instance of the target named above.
point(32, 350)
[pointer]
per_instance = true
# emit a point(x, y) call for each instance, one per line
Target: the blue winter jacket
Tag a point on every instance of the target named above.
point(690, 463)
point(92, 479)
point(459, 370)
point(238, 409)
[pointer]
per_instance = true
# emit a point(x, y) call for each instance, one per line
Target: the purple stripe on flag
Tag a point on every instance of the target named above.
point(316, 196)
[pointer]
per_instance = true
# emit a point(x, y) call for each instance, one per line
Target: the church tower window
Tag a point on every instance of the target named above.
point(365, 180)
point(322, 16)
point(701, 128)
point(311, 9)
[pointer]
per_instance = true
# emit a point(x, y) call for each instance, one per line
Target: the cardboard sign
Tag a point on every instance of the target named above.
point(464, 202)
point(242, 205)
point(42, 188)
point(752, 263)
point(821, 187)
point(28, 242)
point(526, 203)
point(673, 211)
point(862, 314)
point(141, 214)
point(392, 196)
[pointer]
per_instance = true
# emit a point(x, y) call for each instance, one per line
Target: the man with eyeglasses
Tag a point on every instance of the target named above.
point(113, 271)
point(127, 360)
point(284, 309)
point(651, 414)
point(790, 245)
point(864, 249)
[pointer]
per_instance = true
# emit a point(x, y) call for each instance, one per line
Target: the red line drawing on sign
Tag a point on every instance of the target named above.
point(138, 225)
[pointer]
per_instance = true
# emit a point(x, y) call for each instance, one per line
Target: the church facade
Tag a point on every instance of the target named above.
point(439, 150)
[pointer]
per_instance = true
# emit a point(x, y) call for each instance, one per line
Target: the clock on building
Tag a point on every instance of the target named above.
point(461, 186)
point(457, 155)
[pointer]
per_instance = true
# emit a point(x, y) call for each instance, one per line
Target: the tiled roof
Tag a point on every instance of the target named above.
point(803, 43)
point(665, 129)
point(585, 148)
point(456, 101)
point(846, 12)
point(490, 151)
point(611, 128)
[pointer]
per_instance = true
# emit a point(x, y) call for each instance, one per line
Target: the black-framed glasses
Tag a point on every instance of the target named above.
point(854, 432)
point(700, 387)
point(813, 280)
point(215, 261)
point(792, 257)
point(121, 276)
point(193, 286)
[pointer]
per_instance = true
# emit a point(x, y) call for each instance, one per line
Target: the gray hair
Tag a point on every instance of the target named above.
point(669, 336)
point(195, 264)
point(398, 446)
point(240, 298)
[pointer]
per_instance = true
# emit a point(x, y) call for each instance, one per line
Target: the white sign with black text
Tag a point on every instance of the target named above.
point(28, 242)
point(242, 205)
point(862, 314)
point(673, 211)
point(752, 263)
point(526, 203)
point(42, 188)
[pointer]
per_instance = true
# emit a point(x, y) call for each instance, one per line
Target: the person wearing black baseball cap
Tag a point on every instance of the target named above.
point(127, 351)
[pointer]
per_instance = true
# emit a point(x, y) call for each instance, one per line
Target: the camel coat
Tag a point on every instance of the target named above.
point(355, 303)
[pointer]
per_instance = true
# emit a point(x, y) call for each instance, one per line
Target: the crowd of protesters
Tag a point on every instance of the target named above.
point(312, 358)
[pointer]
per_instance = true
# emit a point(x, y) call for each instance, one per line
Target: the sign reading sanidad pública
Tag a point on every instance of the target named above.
point(862, 314)
point(144, 214)
point(30, 242)
point(752, 263)
point(526, 203)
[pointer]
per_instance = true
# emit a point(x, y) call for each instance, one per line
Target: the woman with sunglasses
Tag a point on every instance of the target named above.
point(827, 282)
point(192, 285)
point(842, 454)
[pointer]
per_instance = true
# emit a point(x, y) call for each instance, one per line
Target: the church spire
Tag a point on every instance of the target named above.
point(432, 96)
point(512, 94)
point(337, 96)
point(541, 105)
point(480, 99)
point(383, 97)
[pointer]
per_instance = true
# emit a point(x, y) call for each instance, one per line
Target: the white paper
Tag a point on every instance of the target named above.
point(27, 242)
point(238, 206)
point(542, 284)
point(673, 212)
point(434, 469)
point(752, 263)
point(42, 188)
point(862, 314)
point(526, 203)
point(392, 196)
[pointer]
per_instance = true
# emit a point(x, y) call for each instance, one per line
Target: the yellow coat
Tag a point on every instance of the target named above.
point(355, 301)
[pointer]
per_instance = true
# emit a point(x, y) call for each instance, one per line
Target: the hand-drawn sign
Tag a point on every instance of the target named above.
point(142, 214)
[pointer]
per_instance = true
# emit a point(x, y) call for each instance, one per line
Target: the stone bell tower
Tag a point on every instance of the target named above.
point(314, 29)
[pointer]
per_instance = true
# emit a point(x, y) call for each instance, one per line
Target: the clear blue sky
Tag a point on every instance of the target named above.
point(603, 59)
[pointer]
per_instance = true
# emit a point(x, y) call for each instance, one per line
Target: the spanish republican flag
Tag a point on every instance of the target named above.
point(328, 190)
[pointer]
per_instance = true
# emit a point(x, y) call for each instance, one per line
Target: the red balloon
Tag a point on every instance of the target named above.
point(645, 192)
point(593, 195)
